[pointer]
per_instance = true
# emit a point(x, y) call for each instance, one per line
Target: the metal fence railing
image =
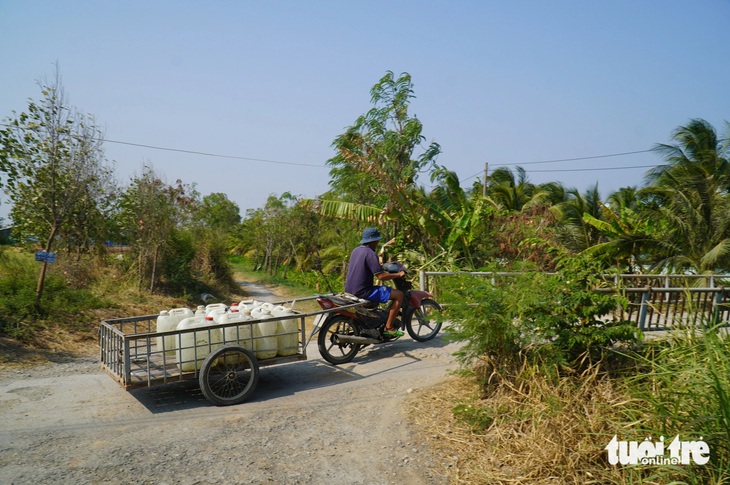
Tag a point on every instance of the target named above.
point(665, 308)
point(656, 302)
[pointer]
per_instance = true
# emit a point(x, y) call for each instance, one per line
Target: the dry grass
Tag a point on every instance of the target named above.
point(54, 341)
point(532, 431)
point(61, 341)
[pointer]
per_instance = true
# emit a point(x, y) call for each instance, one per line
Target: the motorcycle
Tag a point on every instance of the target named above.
point(344, 332)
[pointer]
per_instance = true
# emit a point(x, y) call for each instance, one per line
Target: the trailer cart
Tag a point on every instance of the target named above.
point(225, 358)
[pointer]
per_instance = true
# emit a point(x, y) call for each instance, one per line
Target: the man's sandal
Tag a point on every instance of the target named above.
point(392, 333)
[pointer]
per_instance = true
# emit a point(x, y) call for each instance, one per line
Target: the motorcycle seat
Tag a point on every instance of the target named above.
point(371, 305)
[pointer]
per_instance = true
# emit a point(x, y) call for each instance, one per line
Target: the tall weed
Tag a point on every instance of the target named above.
point(18, 279)
point(686, 392)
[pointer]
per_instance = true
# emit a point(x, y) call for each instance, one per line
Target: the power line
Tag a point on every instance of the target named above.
point(233, 157)
point(592, 169)
point(236, 157)
point(193, 152)
point(628, 167)
point(575, 159)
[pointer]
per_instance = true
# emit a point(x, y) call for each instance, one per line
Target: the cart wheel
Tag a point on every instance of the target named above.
point(330, 349)
point(229, 375)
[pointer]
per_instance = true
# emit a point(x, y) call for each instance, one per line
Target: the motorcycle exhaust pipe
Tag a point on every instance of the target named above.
point(353, 339)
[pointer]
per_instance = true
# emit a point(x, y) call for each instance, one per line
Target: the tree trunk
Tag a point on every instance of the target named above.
point(41, 281)
point(140, 272)
point(42, 276)
point(286, 266)
point(154, 268)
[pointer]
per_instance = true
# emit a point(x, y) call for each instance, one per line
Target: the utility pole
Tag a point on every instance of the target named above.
point(484, 183)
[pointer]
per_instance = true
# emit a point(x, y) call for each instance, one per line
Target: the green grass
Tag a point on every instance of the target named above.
point(302, 284)
point(686, 392)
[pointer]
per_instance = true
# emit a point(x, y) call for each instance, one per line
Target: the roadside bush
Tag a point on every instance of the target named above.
point(540, 348)
point(61, 304)
point(556, 319)
point(18, 279)
point(210, 264)
point(176, 267)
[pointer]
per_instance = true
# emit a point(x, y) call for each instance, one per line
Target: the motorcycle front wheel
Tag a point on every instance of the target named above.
point(330, 348)
point(424, 323)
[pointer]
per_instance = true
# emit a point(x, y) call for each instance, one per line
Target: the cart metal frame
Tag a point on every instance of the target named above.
point(130, 355)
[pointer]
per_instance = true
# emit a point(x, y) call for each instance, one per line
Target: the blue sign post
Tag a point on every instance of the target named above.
point(45, 257)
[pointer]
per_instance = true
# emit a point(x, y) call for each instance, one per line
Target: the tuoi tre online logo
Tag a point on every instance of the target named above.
point(655, 453)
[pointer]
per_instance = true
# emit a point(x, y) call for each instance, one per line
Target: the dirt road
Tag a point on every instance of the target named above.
point(307, 422)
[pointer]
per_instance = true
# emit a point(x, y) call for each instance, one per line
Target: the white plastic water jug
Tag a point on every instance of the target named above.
point(195, 346)
point(264, 334)
point(169, 321)
point(200, 312)
point(214, 306)
point(240, 334)
point(181, 313)
point(287, 334)
point(245, 305)
point(214, 313)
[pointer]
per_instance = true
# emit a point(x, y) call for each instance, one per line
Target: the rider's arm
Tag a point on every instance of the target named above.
point(385, 276)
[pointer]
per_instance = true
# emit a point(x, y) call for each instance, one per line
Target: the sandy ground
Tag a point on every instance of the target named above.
point(307, 422)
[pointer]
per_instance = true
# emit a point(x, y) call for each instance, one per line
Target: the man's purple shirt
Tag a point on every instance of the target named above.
point(364, 265)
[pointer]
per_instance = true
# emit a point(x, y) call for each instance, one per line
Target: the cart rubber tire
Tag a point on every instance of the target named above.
point(423, 317)
point(343, 353)
point(229, 375)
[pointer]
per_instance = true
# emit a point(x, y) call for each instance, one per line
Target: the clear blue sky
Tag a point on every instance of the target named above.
point(504, 82)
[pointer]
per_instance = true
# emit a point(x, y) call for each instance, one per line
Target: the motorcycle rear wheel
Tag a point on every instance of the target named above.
point(337, 352)
point(426, 319)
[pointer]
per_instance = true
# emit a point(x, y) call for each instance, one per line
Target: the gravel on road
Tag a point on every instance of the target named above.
point(307, 422)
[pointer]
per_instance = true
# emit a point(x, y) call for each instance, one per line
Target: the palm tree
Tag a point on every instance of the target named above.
point(628, 232)
point(574, 232)
point(514, 194)
point(691, 195)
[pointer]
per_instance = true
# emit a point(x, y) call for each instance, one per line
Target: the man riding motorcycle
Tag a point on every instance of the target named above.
point(364, 266)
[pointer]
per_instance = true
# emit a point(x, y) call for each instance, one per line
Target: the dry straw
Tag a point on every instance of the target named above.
point(540, 431)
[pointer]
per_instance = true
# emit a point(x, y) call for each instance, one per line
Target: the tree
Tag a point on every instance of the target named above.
point(456, 216)
point(690, 193)
point(216, 211)
point(514, 194)
point(55, 175)
point(376, 164)
point(375, 156)
point(150, 214)
point(574, 232)
point(628, 232)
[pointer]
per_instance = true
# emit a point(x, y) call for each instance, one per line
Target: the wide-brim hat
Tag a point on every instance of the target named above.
point(369, 235)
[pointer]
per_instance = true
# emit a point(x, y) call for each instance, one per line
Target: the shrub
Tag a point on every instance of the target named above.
point(17, 295)
point(62, 301)
point(558, 319)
